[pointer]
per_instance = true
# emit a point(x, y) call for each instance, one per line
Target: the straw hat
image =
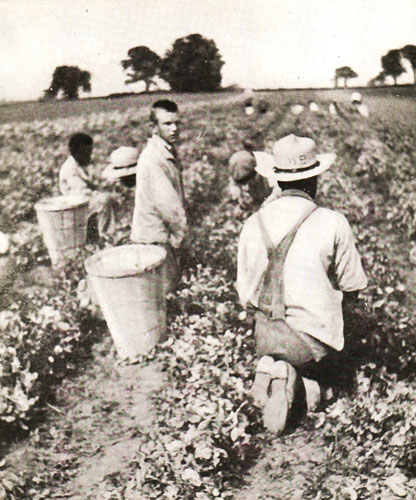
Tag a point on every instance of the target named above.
point(242, 164)
point(356, 97)
point(313, 107)
point(123, 162)
point(293, 158)
point(297, 109)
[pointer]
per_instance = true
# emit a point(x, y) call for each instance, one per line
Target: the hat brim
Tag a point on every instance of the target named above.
point(266, 162)
point(110, 172)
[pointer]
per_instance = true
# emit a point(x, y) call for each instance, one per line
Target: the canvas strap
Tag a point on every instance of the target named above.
point(271, 300)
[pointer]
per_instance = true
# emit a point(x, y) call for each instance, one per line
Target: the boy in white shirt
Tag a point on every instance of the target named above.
point(74, 180)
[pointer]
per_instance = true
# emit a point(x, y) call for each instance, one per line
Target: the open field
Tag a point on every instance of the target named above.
point(379, 99)
point(77, 424)
point(51, 110)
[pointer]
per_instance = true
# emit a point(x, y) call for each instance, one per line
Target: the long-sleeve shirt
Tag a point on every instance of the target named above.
point(321, 263)
point(159, 212)
point(73, 180)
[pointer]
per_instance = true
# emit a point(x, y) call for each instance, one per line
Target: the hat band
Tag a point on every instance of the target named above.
point(125, 166)
point(277, 170)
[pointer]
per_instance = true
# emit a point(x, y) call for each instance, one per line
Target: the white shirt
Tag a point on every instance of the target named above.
point(73, 180)
point(321, 263)
point(159, 213)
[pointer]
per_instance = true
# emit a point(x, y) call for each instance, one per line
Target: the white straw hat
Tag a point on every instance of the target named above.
point(356, 97)
point(293, 158)
point(123, 162)
point(296, 109)
point(313, 107)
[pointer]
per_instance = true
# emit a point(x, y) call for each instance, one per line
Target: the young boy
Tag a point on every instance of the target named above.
point(74, 180)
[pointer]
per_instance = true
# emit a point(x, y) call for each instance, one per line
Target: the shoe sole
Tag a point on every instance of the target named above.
point(260, 388)
point(276, 410)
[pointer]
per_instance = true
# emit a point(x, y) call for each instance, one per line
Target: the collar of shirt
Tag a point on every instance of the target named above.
point(162, 144)
point(167, 150)
point(296, 192)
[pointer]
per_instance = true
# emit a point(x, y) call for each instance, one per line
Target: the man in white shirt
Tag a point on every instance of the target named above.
point(318, 270)
point(159, 212)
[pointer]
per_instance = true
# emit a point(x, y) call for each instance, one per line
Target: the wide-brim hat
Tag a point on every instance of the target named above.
point(294, 158)
point(123, 162)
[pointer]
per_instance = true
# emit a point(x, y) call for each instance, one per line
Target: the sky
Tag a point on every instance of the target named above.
point(264, 43)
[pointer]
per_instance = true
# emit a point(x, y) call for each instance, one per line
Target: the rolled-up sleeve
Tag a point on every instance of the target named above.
point(348, 268)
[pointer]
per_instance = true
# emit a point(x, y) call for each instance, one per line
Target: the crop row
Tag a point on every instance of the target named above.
point(200, 444)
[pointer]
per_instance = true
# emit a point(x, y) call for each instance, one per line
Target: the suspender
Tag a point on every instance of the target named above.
point(271, 298)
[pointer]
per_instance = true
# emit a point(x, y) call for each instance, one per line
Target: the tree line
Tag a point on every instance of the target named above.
point(391, 63)
point(193, 64)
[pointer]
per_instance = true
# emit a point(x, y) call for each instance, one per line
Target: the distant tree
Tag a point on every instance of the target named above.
point(392, 64)
point(409, 53)
point(144, 65)
point(69, 79)
point(377, 80)
point(193, 64)
point(346, 73)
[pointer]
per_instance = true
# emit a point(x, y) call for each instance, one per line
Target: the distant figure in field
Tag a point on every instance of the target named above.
point(159, 216)
point(123, 162)
point(74, 179)
point(248, 107)
point(358, 105)
point(297, 109)
point(262, 106)
point(242, 166)
point(313, 107)
point(334, 109)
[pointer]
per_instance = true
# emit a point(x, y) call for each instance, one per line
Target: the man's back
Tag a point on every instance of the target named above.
point(321, 263)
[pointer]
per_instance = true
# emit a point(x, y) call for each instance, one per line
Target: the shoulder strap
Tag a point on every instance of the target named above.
point(271, 298)
point(290, 235)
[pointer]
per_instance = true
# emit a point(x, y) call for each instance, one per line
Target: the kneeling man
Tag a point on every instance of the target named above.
point(297, 262)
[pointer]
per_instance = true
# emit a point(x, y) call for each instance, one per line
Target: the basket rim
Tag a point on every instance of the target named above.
point(88, 263)
point(79, 201)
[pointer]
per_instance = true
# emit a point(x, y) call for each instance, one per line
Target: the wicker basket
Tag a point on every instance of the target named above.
point(63, 221)
point(128, 283)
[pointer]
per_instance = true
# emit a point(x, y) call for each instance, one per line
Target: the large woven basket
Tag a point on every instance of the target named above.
point(128, 283)
point(63, 221)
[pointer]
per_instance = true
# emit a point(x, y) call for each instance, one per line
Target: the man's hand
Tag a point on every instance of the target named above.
point(184, 258)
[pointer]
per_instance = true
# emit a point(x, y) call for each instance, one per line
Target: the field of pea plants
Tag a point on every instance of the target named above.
point(76, 423)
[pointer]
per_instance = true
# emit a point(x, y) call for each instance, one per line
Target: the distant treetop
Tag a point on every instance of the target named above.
point(68, 79)
point(192, 65)
point(143, 64)
point(346, 73)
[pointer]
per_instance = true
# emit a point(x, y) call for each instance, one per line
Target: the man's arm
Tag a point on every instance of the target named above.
point(348, 269)
point(169, 205)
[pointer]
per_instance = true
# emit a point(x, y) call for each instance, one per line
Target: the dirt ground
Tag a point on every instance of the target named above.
point(94, 430)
